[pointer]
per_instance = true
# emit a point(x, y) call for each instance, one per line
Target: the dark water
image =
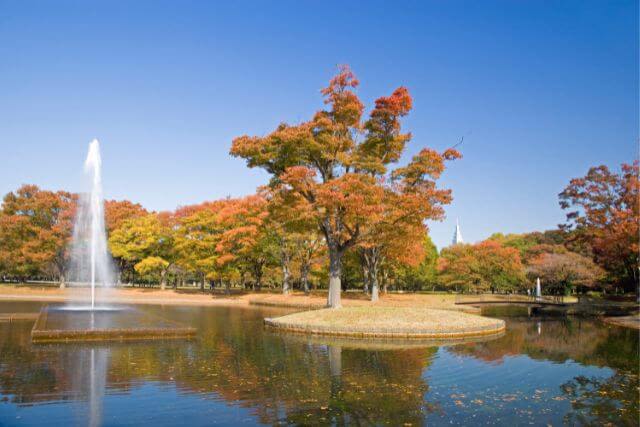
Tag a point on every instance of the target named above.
point(542, 371)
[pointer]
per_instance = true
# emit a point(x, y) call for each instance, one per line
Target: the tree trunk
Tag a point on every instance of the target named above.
point(304, 278)
point(257, 275)
point(203, 283)
point(227, 287)
point(371, 258)
point(385, 280)
point(285, 281)
point(374, 286)
point(335, 271)
point(163, 280)
point(285, 275)
point(365, 277)
point(258, 281)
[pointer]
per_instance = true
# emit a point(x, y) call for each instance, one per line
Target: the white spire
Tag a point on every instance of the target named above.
point(457, 236)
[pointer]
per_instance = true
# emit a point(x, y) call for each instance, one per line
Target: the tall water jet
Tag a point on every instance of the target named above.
point(90, 259)
point(91, 264)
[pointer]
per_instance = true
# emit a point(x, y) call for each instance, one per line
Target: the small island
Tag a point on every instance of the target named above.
point(388, 322)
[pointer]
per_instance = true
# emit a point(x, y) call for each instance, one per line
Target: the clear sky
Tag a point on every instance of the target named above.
point(540, 90)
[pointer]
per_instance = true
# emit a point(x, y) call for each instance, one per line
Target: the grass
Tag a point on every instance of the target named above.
point(388, 321)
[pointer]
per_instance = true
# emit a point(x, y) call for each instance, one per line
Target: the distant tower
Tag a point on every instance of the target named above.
point(457, 236)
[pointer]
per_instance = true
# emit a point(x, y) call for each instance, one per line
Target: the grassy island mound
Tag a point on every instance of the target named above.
point(388, 322)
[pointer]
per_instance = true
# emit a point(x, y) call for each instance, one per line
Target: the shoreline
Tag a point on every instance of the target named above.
point(632, 321)
point(123, 296)
point(295, 300)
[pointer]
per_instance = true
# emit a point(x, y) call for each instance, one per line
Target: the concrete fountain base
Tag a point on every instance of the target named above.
point(72, 324)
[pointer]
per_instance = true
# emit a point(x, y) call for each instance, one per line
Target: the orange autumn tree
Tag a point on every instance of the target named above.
point(334, 162)
point(118, 211)
point(411, 196)
point(603, 214)
point(243, 244)
point(393, 237)
point(35, 229)
point(295, 236)
point(481, 267)
point(281, 221)
point(397, 234)
point(389, 248)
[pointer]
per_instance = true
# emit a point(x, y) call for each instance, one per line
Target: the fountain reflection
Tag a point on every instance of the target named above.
point(91, 379)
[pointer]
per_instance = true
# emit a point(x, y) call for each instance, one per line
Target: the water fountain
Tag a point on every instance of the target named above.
point(90, 260)
point(91, 266)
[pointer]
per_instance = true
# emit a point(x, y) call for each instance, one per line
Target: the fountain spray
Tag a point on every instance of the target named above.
point(91, 261)
point(93, 164)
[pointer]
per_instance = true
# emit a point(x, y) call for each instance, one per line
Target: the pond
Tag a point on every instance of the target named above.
point(541, 371)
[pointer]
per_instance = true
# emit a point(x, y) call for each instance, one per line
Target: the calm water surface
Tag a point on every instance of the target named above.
point(542, 371)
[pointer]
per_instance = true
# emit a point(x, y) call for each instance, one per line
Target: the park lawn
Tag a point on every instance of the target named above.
point(376, 320)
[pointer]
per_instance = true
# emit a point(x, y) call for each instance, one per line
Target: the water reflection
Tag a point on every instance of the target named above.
point(98, 375)
point(586, 372)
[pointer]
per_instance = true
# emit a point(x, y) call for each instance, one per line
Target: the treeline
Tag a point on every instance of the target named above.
point(336, 213)
point(597, 247)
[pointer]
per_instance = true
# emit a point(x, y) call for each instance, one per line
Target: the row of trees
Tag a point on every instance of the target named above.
point(260, 239)
point(596, 247)
point(248, 242)
point(513, 262)
point(335, 211)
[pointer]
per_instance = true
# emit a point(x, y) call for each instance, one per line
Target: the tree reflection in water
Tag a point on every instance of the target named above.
point(594, 400)
point(285, 379)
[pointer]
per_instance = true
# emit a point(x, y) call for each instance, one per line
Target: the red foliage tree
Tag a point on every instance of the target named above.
point(604, 214)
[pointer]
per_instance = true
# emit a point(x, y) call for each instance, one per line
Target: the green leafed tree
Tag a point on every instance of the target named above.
point(147, 242)
point(422, 276)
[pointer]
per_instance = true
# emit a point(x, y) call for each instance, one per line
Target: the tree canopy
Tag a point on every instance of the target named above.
point(481, 267)
point(35, 229)
point(603, 213)
point(339, 165)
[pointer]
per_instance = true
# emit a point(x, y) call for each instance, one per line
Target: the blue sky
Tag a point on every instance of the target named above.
point(539, 90)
